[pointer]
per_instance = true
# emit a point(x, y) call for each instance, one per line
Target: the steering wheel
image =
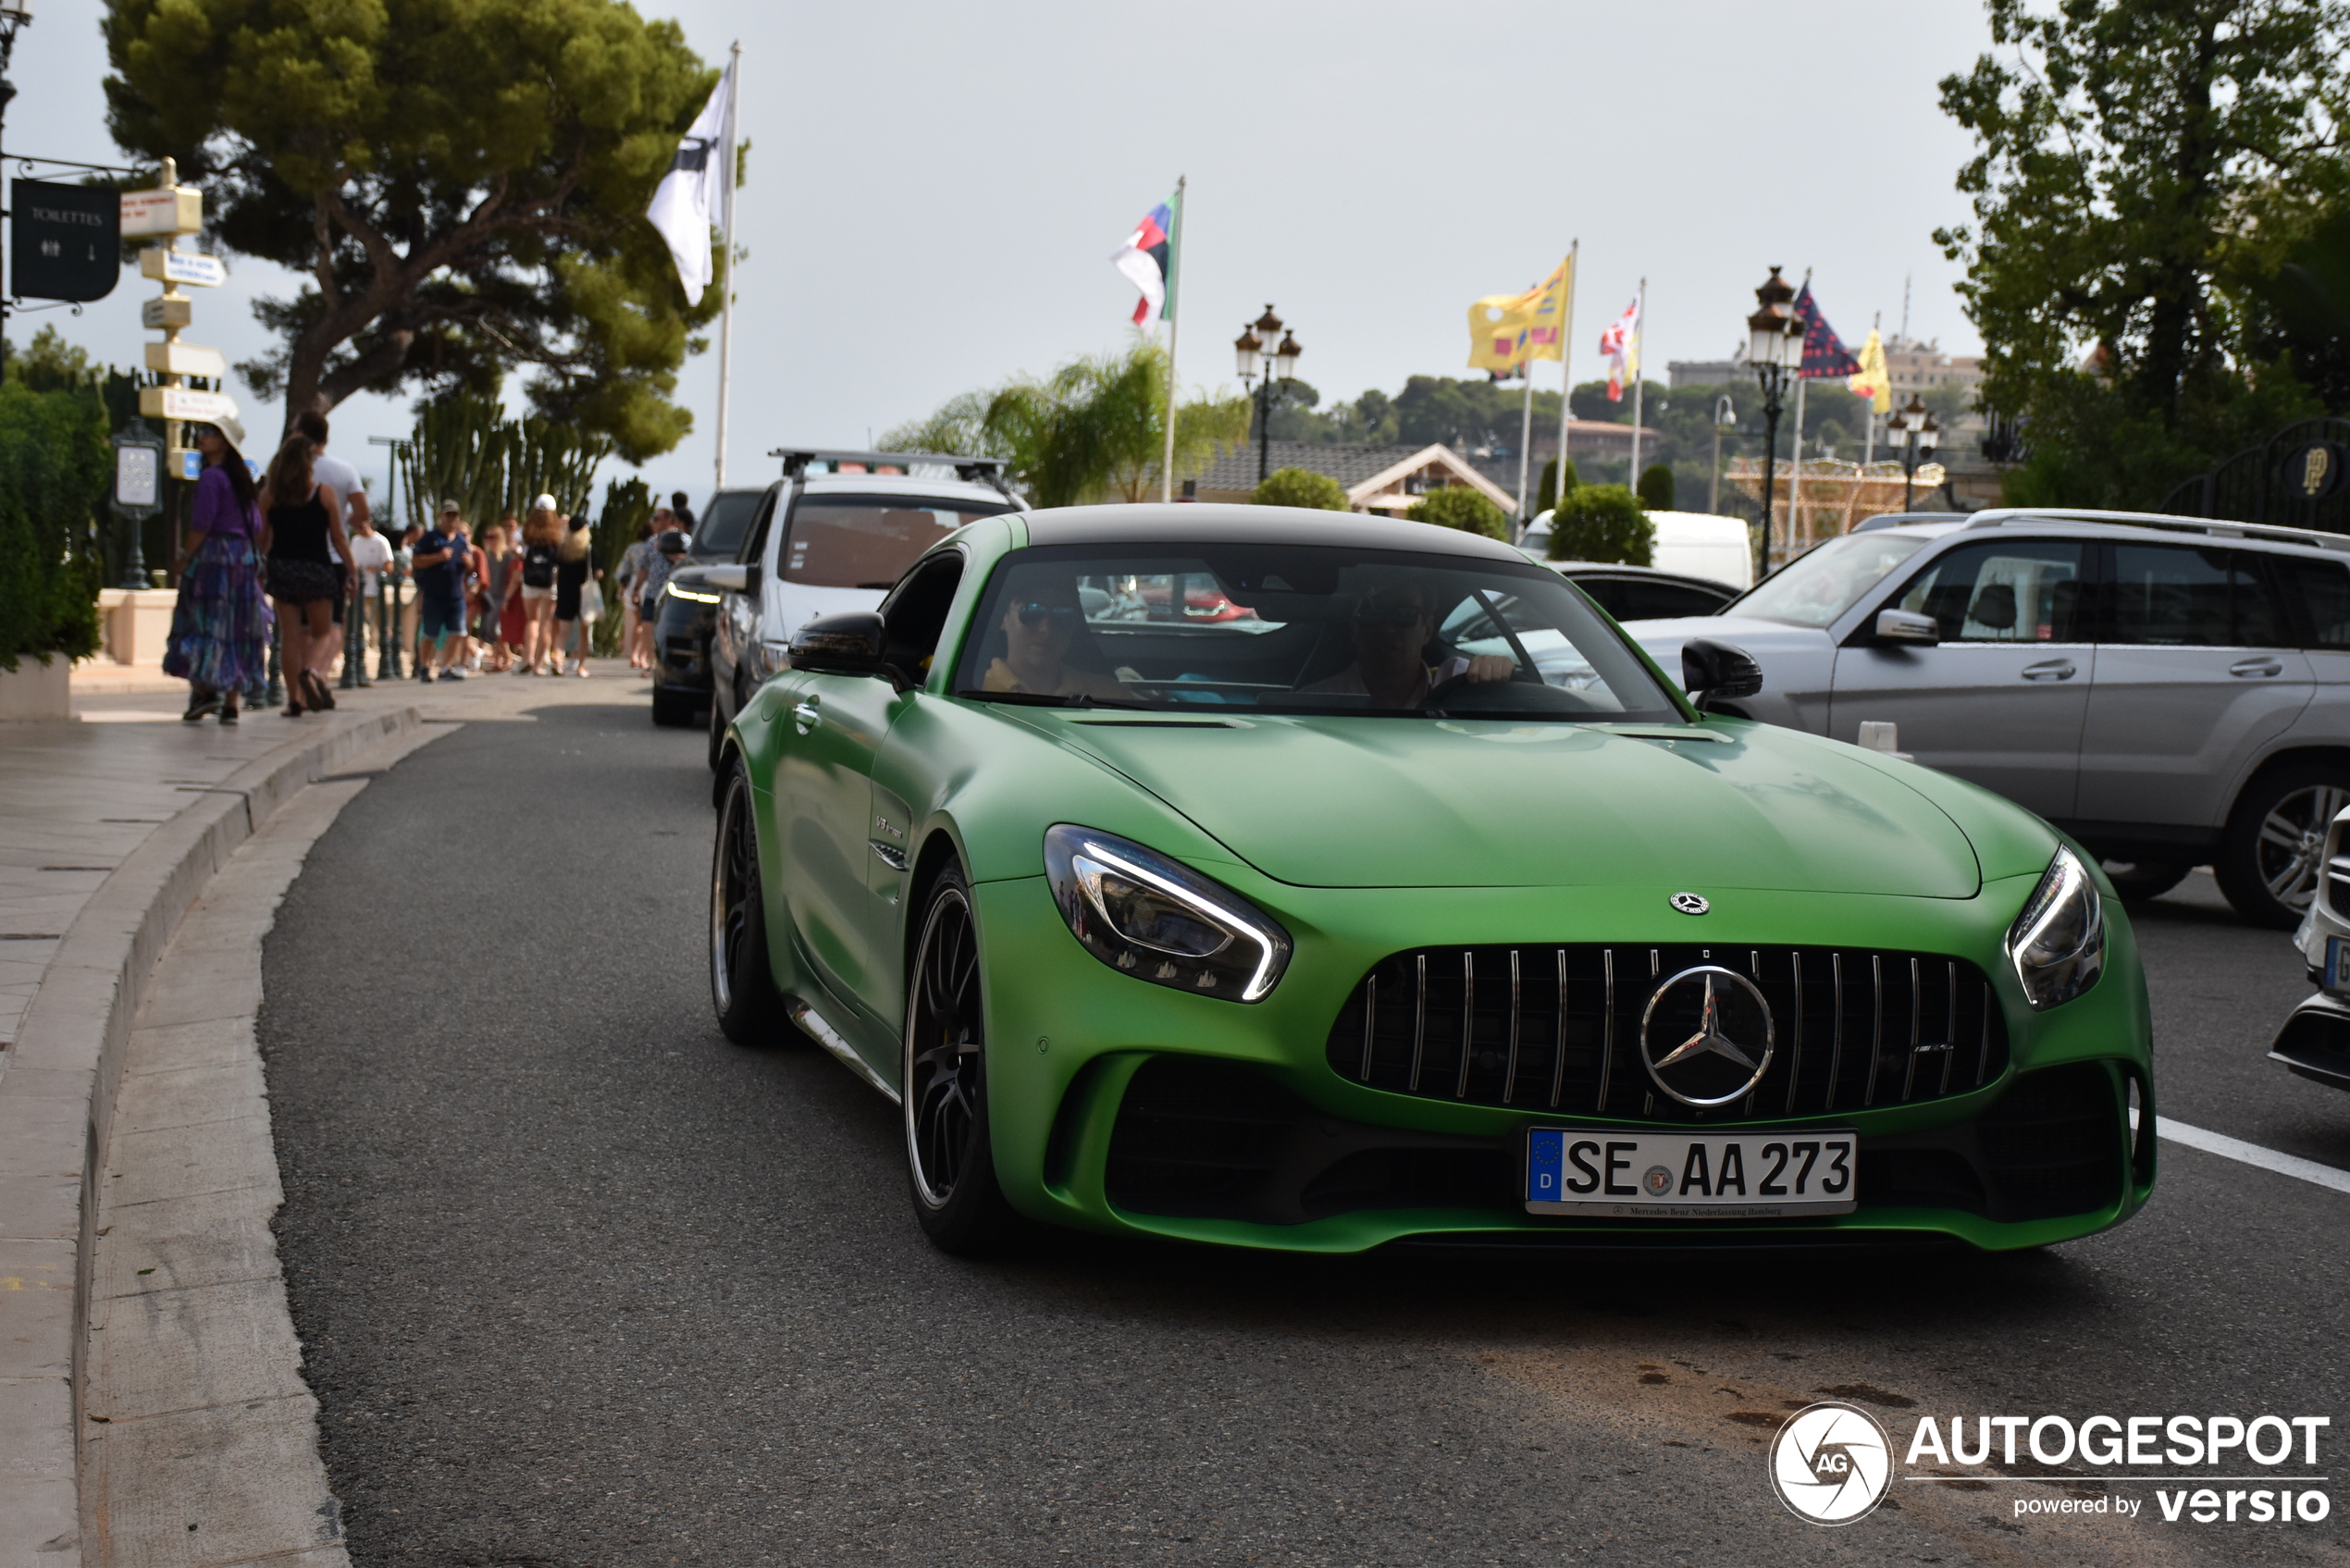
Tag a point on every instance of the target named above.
point(1553, 699)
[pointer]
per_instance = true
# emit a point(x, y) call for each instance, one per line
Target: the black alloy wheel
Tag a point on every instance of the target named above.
point(742, 986)
point(949, 1160)
point(2272, 854)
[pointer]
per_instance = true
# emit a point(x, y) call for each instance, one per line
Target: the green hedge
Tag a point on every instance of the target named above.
point(1300, 487)
point(1459, 506)
point(53, 458)
point(1603, 523)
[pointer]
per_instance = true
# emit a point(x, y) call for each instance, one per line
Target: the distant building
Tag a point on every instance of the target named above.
point(1732, 371)
point(1920, 367)
point(1377, 479)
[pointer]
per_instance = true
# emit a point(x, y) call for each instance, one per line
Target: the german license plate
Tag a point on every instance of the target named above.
point(2337, 975)
point(1643, 1174)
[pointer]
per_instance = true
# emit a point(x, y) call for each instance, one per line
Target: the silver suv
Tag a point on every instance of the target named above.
point(2172, 692)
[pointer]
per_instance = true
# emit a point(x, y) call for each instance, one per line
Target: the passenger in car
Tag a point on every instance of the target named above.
point(1392, 628)
point(1038, 629)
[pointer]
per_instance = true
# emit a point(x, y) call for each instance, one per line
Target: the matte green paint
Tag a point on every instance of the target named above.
point(1363, 837)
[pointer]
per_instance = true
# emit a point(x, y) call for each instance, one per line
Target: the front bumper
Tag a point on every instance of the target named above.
point(2315, 1040)
point(1096, 1080)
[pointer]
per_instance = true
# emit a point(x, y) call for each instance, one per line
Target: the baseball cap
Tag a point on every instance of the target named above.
point(544, 503)
point(672, 543)
point(449, 506)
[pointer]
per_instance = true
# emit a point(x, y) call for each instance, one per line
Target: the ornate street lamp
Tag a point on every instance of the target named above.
point(1915, 427)
point(1262, 359)
point(1774, 347)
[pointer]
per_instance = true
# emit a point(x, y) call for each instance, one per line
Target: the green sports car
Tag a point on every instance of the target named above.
point(1287, 879)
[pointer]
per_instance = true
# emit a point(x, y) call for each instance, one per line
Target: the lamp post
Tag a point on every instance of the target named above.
point(1774, 347)
point(1725, 418)
point(1915, 427)
point(1254, 349)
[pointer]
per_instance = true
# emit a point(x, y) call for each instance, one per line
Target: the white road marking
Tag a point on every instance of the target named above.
point(2252, 1153)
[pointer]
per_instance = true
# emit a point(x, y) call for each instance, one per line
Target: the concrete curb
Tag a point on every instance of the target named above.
point(59, 1083)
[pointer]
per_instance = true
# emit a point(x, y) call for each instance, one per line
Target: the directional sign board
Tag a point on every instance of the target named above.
point(177, 403)
point(64, 240)
point(171, 210)
point(187, 359)
point(181, 266)
point(167, 311)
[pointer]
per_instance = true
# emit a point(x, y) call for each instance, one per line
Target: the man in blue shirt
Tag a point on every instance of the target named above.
point(441, 558)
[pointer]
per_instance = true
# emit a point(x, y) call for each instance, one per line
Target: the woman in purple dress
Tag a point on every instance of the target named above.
point(220, 641)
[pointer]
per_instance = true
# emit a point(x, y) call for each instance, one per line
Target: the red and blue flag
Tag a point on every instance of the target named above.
point(1145, 259)
point(1824, 351)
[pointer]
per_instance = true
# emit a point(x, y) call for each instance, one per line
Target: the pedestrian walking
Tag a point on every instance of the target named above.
point(442, 559)
point(371, 558)
point(542, 539)
point(301, 539)
point(514, 625)
point(346, 483)
point(220, 641)
point(474, 567)
point(501, 573)
point(669, 553)
point(683, 513)
point(635, 637)
point(575, 570)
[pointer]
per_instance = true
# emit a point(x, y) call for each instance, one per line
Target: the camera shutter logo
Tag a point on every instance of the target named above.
point(1831, 1464)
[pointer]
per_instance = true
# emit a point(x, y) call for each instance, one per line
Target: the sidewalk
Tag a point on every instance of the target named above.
point(111, 826)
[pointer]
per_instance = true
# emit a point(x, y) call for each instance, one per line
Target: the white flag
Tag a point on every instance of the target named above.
point(692, 192)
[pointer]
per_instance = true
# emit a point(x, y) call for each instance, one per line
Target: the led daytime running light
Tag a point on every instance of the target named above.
point(2056, 943)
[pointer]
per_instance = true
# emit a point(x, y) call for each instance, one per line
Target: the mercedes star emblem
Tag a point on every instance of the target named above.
point(1691, 904)
point(1707, 1036)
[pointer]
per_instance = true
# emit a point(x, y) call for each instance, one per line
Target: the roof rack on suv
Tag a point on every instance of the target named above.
point(988, 471)
point(2211, 527)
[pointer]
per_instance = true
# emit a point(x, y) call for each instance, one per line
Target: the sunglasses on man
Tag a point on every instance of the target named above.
point(1035, 612)
point(1394, 617)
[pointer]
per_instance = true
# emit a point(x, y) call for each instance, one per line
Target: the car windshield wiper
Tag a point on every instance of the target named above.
point(1049, 699)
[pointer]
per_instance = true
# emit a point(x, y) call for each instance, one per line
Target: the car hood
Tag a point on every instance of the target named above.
point(1351, 802)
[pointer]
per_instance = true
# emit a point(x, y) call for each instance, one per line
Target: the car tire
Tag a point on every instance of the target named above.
point(2272, 851)
point(950, 1166)
point(742, 984)
point(673, 709)
point(2137, 881)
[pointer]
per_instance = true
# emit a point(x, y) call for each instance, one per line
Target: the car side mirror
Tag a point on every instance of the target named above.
point(1710, 670)
point(725, 578)
point(1908, 628)
point(854, 642)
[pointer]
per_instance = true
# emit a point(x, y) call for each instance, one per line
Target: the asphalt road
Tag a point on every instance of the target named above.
point(580, 1283)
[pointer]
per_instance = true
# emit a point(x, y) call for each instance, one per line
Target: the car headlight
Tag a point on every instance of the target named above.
point(699, 596)
point(2058, 943)
point(1138, 911)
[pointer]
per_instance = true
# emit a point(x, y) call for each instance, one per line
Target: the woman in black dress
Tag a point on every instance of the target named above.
point(575, 562)
point(302, 540)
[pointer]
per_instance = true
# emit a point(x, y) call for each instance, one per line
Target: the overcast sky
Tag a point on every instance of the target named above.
point(934, 188)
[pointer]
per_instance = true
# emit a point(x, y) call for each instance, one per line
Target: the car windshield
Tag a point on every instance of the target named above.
point(860, 541)
point(1300, 629)
point(723, 522)
point(1819, 586)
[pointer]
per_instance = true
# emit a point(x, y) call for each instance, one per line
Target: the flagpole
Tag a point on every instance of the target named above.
point(726, 271)
point(1795, 464)
point(1639, 332)
point(1525, 432)
point(1174, 320)
point(1566, 362)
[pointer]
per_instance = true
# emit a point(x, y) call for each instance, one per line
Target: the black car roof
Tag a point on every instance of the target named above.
point(1193, 523)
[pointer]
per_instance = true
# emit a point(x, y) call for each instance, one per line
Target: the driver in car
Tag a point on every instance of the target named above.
point(1039, 626)
point(1392, 626)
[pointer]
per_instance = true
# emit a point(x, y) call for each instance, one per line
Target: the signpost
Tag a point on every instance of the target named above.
point(169, 212)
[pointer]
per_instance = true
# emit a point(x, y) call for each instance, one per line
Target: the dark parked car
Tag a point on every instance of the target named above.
point(1643, 593)
point(687, 611)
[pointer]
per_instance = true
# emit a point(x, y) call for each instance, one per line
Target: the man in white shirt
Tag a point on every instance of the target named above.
point(371, 555)
point(334, 471)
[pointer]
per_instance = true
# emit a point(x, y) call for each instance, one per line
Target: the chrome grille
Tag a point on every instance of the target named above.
point(1557, 1029)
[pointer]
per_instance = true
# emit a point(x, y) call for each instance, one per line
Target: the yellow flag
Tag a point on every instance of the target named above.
point(1872, 381)
point(1507, 330)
